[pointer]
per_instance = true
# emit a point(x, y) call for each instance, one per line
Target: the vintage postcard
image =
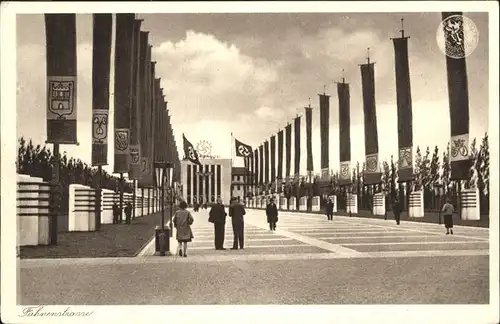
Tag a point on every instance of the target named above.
point(280, 162)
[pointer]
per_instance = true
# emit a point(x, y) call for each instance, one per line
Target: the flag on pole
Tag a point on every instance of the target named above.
point(242, 149)
point(189, 151)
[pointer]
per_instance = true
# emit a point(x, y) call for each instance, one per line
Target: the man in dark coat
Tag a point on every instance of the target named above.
point(116, 213)
point(396, 209)
point(272, 215)
point(236, 212)
point(218, 218)
point(329, 209)
point(128, 212)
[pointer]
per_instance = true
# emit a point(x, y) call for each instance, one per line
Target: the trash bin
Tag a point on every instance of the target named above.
point(158, 247)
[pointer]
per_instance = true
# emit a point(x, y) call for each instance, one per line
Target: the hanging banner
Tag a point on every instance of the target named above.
point(373, 174)
point(146, 173)
point(344, 133)
point(324, 122)
point(297, 147)
point(266, 162)
point(261, 165)
point(309, 138)
point(122, 92)
point(60, 32)
point(288, 149)
point(404, 109)
point(273, 158)
point(458, 94)
point(134, 172)
point(256, 167)
point(279, 174)
point(101, 65)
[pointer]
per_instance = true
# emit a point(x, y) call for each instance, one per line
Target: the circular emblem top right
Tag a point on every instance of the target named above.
point(457, 36)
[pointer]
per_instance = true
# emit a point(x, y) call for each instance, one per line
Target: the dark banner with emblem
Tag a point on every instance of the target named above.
point(134, 172)
point(297, 146)
point(309, 164)
point(324, 124)
point(266, 162)
point(273, 158)
point(261, 165)
point(101, 65)
point(404, 108)
point(146, 170)
point(372, 172)
point(344, 133)
point(458, 95)
point(279, 174)
point(123, 85)
point(60, 33)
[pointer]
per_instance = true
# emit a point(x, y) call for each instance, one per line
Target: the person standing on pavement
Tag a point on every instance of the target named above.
point(329, 209)
point(116, 213)
point(182, 221)
point(217, 216)
point(272, 214)
point(236, 212)
point(396, 210)
point(448, 211)
point(128, 212)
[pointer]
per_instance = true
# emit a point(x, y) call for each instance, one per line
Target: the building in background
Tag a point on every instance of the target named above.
point(206, 182)
point(241, 179)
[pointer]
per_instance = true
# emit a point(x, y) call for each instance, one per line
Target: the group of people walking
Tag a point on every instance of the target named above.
point(183, 220)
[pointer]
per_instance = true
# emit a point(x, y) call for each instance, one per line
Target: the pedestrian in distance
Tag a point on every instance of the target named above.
point(396, 210)
point(128, 212)
point(182, 222)
point(448, 211)
point(236, 212)
point(329, 209)
point(217, 216)
point(272, 214)
point(116, 213)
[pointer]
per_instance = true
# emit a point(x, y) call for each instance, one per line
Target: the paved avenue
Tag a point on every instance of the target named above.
point(307, 260)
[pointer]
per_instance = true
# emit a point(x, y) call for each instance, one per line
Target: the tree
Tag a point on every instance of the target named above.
point(425, 169)
point(418, 173)
point(434, 166)
point(386, 176)
point(445, 167)
point(475, 165)
point(393, 175)
point(485, 167)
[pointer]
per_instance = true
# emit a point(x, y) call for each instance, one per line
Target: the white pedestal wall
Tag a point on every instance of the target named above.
point(352, 203)
point(292, 204)
point(316, 205)
point(303, 203)
point(469, 204)
point(283, 203)
point(81, 205)
point(416, 204)
point(378, 204)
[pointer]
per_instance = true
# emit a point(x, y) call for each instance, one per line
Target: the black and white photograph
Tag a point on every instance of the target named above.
point(271, 161)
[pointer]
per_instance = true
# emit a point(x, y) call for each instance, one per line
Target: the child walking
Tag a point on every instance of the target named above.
point(448, 211)
point(182, 221)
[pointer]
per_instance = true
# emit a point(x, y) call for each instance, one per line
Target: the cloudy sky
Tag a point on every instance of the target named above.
point(250, 74)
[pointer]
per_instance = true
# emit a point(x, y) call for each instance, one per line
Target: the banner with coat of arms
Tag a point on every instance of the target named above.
point(373, 175)
point(405, 164)
point(60, 30)
point(122, 150)
point(135, 162)
point(345, 173)
point(100, 136)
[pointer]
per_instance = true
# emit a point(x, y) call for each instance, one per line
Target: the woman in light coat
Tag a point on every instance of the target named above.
point(182, 221)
